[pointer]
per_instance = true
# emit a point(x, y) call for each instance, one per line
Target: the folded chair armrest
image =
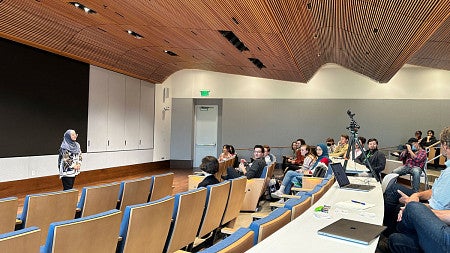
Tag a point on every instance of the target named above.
point(276, 204)
point(288, 196)
point(297, 189)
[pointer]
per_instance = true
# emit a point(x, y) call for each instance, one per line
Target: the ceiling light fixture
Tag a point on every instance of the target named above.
point(135, 34)
point(82, 7)
point(257, 63)
point(233, 39)
point(170, 53)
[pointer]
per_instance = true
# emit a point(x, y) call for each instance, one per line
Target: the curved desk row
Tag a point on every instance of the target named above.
point(301, 233)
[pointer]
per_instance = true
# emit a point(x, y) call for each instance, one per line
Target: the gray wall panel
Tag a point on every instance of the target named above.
point(181, 140)
point(277, 122)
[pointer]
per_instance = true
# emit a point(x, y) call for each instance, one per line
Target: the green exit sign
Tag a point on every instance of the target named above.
point(204, 93)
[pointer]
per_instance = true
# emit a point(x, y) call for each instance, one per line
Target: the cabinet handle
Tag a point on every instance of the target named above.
point(140, 142)
point(89, 143)
point(108, 142)
point(125, 142)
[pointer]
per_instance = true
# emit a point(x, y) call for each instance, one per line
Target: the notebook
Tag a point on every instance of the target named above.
point(343, 181)
point(351, 230)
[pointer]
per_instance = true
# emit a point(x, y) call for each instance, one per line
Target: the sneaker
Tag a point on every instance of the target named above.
point(396, 154)
point(277, 194)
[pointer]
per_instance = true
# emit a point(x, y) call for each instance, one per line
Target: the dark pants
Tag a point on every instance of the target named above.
point(392, 206)
point(233, 173)
point(68, 182)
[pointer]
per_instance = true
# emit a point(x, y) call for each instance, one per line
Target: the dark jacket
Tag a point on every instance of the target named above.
point(376, 158)
point(209, 180)
point(256, 169)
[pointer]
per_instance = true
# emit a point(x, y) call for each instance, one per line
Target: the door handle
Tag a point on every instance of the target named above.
point(209, 145)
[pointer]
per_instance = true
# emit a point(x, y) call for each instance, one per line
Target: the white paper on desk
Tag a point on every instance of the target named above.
point(353, 206)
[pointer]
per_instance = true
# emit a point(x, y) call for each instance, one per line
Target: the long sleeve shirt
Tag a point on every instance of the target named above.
point(418, 161)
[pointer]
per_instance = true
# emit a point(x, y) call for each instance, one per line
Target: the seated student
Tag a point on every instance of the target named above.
point(341, 148)
point(421, 229)
point(438, 200)
point(227, 153)
point(268, 157)
point(429, 140)
point(295, 163)
point(330, 145)
point(310, 160)
point(415, 158)
point(253, 170)
point(210, 166)
point(358, 149)
point(375, 157)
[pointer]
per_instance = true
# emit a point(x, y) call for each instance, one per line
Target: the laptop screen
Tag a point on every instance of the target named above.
point(339, 174)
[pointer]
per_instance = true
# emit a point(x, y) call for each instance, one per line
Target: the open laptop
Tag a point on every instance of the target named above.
point(343, 181)
point(351, 230)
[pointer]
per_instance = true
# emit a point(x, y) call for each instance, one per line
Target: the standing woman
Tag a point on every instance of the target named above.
point(69, 159)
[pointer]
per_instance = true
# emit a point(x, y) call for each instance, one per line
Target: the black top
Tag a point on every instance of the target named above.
point(256, 169)
point(209, 180)
point(376, 158)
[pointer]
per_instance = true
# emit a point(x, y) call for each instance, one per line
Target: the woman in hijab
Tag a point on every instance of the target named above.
point(322, 158)
point(69, 159)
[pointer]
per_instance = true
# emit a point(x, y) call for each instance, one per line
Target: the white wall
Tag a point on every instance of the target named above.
point(16, 168)
point(330, 82)
point(162, 123)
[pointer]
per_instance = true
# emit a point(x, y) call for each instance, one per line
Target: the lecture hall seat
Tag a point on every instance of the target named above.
point(161, 186)
point(268, 225)
point(234, 202)
point(98, 198)
point(145, 227)
point(95, 233)
point(187, 214)
point(216, 202)
point(238, 242)
point(20, 241)
point(134, 192)
point(255, 188)
point(44, 208)
point(9, 212)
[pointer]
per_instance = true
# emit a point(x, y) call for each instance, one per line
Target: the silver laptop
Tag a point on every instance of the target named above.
point(343, 181)
point(353, 231)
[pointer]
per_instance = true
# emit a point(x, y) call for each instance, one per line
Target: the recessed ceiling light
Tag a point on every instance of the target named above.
point(170, 53)
point(82, 7)
point(135, 34)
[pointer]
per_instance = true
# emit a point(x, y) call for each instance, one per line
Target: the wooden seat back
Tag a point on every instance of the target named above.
point(188, 211)
point(146, 226)
point(235, 199)
point(162, 186)
point(239, 241)
point(216, 202)
point(99, 198)
point(9, 212)
point(268, 225)
point(134, 192)
point(42, 209)
point(20, 241)
point(96, 233)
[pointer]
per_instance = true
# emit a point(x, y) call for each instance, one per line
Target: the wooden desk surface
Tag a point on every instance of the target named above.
point(300, 235)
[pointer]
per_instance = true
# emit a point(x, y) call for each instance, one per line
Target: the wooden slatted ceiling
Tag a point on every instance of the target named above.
point(293, 38)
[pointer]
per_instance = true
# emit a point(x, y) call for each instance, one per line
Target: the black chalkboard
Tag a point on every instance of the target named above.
point(41, 96)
